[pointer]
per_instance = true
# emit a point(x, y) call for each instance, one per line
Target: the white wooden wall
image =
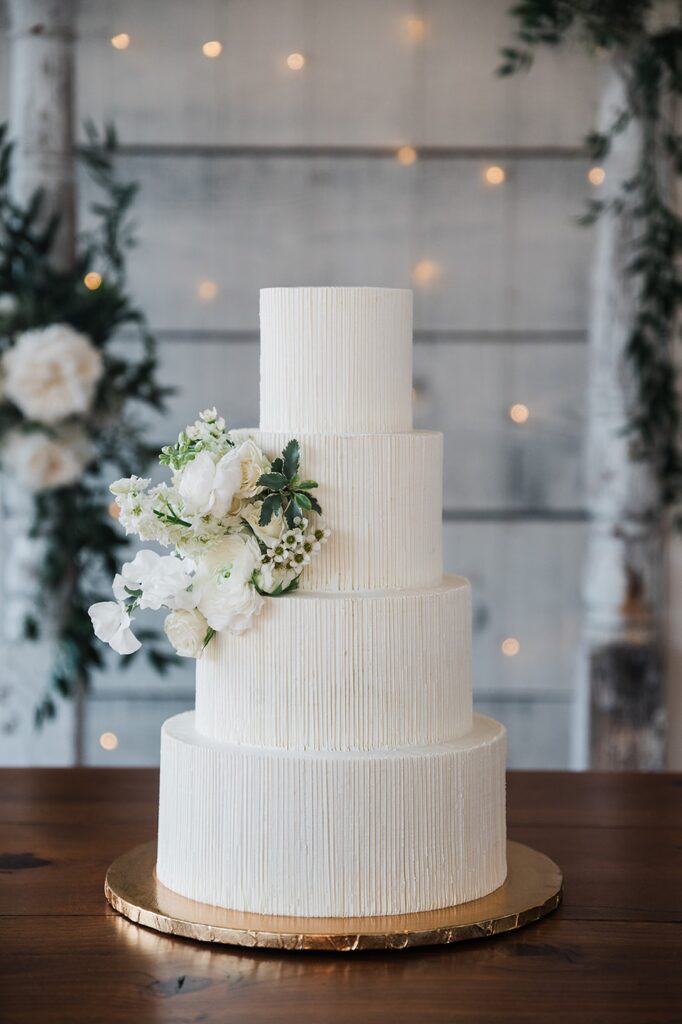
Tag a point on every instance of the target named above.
point(256, 175)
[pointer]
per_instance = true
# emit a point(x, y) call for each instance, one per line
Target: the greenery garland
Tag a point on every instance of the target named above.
point(649, 58)
point(79, 540)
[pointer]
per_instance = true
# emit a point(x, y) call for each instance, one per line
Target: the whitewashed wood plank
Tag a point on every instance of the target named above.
point(510, 257)
point(525, 578)
point(365, 81)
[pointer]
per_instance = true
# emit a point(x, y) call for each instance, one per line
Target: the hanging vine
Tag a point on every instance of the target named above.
point(643, 38)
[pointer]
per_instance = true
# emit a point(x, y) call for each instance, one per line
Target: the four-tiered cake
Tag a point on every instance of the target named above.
point(333, 766)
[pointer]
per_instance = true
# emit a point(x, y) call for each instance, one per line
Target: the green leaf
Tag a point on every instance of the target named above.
point(269, 508)
point(210, 633)
point(273, 481)
point(292, 512)
point(277, 466)
point(291, 457)
point(303, 500)
point(306, 485)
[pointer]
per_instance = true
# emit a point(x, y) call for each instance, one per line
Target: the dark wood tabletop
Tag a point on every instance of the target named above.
point(611, 953)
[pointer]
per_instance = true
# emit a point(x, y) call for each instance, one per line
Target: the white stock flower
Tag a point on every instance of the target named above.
point(43, 463)
point(163, 580)
point(186, 629)
point(111, 623)
point(225, 594)
point(130, 485)
point(52, 373)
point(206, 486)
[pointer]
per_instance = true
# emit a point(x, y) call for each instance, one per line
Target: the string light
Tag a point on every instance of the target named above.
point(424, 272)
point(519, 413)
point(495, 175)
point(406, 155)
point(108, 741)
point(596, 175)
point(120, 41)
point(415, 29)
point(213, 48)
point(295, 61)
point(92, 280)
point(510, 647)
point(207, 290)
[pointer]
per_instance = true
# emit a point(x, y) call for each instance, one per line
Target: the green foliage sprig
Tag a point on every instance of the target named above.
point(284, 490)
point(644, 40)
point(79, 539)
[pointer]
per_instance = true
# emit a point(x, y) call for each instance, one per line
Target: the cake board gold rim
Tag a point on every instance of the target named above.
point(532, 889)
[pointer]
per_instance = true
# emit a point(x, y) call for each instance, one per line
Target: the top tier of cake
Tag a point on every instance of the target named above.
point(336, 360)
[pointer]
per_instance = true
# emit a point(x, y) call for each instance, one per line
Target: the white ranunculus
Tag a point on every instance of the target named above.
point(111, 624)
point(253, 464)
point(269, 534)
point(52, 373)
point(44, 463)
point(210, 487)
point(225, 593)
point(163, 580)
point(186, 629)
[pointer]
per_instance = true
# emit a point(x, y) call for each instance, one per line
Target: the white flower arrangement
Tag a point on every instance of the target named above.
point(241, 528)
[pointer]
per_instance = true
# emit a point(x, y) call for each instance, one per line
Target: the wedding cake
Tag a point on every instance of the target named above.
point(333, 765)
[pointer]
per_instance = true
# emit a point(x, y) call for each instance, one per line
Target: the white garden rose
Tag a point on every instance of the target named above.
point(162, 579)
point(43, 463)
point(253, 464)
point(269, 534)
point(225, 594)
point(207, 486)
point(52, 373)
point(186, 629)
point(111, 624)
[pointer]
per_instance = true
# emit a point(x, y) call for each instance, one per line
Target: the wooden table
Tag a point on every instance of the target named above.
point(612, 952)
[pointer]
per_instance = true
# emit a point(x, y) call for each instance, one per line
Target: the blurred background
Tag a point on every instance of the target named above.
point(369, 142)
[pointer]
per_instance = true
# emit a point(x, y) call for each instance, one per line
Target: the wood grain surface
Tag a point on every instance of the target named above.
point(612, 952)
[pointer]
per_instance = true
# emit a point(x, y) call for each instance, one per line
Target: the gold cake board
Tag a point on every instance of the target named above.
point(531, 890)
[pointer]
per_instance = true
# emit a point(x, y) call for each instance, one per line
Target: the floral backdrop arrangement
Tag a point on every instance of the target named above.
point(240, 526)
point(68, 402)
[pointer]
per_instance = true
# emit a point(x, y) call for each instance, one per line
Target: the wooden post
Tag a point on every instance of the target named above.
point(41, 125)
point(622, 640)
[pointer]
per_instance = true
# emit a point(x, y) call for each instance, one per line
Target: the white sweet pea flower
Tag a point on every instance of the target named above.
point(111, 623)
point(52, 373)
point(225, 594)
point(209, 487)
point(163, 580)
point(186, 629)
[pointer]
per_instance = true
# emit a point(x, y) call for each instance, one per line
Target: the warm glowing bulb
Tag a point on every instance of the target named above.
point(212, 48)
point(295, 61)
point(120, 41)
point(406, 155)
point(113, 510)
point(519, 413)
point(424, 272)
point(415, 29)
point(596, 175)
point(207, 290)
point(108, 741)
point(92, 280)
point(495, 175)
point(510, 646)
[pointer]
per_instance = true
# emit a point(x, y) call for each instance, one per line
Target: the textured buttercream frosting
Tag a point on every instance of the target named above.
point(336, 360)
point(343, 672)
point(382, 498)
point(331, 834)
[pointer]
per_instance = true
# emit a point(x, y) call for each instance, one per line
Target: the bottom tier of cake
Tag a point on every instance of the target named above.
point(332, 834)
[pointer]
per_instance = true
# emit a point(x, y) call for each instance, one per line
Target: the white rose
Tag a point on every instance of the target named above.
point(253, 464)
point(225, 594)
point(163, 580)
point(44, 463)
point(269, 534)
point(209, 487)
point(52, 373)
point(186, 629)
point(111, 624)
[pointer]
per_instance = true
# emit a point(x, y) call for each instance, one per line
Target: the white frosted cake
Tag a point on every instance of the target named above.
point(333, 766)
